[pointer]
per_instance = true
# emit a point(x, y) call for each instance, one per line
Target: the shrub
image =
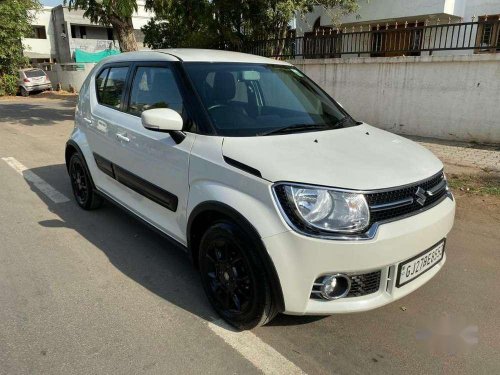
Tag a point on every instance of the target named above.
point(8, 84)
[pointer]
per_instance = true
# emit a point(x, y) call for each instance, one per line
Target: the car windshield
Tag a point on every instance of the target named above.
point(260, 99)
point(34, 73)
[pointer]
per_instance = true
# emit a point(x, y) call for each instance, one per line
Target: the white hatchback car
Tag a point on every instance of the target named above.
point(284, 202)
point(33, 79)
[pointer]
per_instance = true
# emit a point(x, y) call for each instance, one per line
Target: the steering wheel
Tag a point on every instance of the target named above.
point(215, 106)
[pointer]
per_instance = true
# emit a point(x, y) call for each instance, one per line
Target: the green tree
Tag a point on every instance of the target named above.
point(181, 23)
point(117, 13)
point(224, 23)
point(16, 17)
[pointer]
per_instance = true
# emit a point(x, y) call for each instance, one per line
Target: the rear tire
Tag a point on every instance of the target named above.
point(234, 276)
point(24, 92)
point(81, 184)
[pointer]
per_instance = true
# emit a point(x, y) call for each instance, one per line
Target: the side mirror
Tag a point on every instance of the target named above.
point(162, 119)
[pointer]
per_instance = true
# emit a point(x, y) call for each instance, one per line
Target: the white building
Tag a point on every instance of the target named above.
point(58, 32)
point(40, 48)
point(395, 14)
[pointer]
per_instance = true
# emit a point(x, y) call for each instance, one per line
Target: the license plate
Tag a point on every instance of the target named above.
point(418, 265)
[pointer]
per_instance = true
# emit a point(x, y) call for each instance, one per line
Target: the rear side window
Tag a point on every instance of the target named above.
point(154, 87)
point(114, 87)
point(34, 73)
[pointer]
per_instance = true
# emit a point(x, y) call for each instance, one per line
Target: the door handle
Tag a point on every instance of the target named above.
point(123, 138)
point(87, 120)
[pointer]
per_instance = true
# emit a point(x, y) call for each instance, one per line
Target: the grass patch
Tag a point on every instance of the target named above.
point(486, 184)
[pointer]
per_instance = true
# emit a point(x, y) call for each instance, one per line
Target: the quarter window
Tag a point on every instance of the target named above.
point(154, 87)
point(112, 93)
point(99, 83)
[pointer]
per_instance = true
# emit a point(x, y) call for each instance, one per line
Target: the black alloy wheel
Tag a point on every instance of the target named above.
point(233, 276)
point(81, 184)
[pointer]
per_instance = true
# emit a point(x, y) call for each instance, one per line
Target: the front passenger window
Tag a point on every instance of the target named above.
point(154, 87)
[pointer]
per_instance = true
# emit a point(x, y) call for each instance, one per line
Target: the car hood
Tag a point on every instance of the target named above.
point(360, 157)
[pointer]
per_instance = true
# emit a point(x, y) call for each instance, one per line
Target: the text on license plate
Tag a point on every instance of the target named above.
point(413, 268)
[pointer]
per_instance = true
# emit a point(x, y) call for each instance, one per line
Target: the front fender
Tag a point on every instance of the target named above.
point(256, 207)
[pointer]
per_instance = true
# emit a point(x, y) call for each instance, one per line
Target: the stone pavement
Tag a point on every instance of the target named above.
point(483, 157)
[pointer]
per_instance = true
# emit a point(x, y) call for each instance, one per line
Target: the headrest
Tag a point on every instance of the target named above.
point(224, 87)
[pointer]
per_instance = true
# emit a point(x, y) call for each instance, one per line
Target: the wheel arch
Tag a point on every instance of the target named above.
point(71, 148)
point(203, 215)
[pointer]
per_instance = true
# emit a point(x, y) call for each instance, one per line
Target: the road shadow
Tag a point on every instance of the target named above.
point(137, 251)
point(33, 112)
point(58, 95)
point(283, 320)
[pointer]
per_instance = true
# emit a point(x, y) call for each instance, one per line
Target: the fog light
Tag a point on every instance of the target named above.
point(335, 286)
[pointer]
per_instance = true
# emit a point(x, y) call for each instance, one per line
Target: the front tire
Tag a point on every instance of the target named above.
point(81, 183)
point(234, 277)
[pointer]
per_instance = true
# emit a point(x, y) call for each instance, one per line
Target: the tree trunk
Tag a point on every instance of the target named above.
point(125, 33)
point(282, 34)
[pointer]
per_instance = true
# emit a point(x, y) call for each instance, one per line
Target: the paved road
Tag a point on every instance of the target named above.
point(97, 292)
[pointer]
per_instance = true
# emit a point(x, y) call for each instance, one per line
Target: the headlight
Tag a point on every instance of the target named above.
point(324, 209)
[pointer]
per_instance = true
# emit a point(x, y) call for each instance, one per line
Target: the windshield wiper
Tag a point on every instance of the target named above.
point(296, 128)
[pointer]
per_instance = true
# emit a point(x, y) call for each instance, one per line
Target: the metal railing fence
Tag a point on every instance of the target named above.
point(386, 40)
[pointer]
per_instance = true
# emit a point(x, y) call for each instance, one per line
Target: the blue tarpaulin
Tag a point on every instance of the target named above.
point(92, 57)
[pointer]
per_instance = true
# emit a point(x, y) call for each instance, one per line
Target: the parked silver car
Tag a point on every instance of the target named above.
point(33, 79)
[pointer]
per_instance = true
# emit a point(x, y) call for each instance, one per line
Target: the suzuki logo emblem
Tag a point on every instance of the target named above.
point(421, 197)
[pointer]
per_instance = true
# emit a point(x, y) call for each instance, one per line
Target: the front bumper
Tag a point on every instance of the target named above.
point(299, 260)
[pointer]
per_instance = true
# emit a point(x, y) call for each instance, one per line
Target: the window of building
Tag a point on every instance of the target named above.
point(488, 34)
point(109, 31)
point(154, 87)
point(112, 93)
point(78, 32)
point(39, 32)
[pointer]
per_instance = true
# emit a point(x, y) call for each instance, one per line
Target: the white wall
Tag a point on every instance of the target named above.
point(380, 10)
point(92, 45)
point(448, 97)
point(67, 78)
point(141, 17)
point(480, 8)
point(386, 10)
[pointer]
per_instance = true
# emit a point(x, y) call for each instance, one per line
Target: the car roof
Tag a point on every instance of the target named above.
point(192, 55)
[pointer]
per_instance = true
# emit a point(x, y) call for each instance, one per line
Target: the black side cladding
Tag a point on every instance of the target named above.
point(137, 184)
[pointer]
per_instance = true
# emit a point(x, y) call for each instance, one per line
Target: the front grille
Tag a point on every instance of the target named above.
point(361, 285)
point(381, 198)
point(407, 192)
